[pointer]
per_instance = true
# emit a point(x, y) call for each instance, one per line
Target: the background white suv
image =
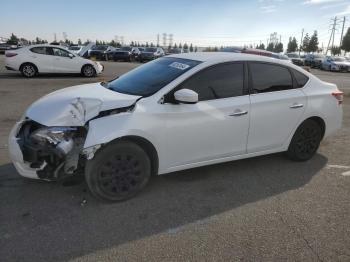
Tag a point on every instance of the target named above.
point(32, 60)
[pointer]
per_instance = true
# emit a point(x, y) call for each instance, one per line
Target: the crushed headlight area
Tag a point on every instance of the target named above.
point(53, 151)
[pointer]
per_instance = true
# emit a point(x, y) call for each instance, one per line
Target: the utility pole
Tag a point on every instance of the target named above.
point(301, 40)
point(157, 40)
point(342, 32)
point(332, 34)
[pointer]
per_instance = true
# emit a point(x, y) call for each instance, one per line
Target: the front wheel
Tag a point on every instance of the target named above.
point(88, 71)
point(305, 141)
point(118, 171)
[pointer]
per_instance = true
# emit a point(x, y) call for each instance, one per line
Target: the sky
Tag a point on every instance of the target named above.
point(201, 22)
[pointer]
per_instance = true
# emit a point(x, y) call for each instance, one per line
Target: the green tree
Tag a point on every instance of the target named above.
point(261, 46)
point(175, 45)
point(335, 50)
point(185, 46)
point(147, 44)
point(180, 46)
point(292, 45)
point(306, 43)
point(191, 47)
point(79, 42)
point(346, 41)
point(278, 48)
point(270, 47)
point(152, 45)
point(13, 40)
point(313, 44)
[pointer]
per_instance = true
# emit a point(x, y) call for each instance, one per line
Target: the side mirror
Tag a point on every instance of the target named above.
point(186, 96)
point(70, 56)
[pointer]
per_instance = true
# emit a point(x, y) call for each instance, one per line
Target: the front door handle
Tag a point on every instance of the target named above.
point(296, 105)
point(238, 112)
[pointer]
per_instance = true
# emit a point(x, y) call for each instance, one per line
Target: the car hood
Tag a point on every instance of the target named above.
point(74, 106)
point(147, 53)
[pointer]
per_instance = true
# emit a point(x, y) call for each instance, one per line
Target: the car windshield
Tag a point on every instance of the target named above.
point(125, 48)
point(99, 47)
point(151, 77)
point(293, 55)
point(150, 49)
point(339, 59)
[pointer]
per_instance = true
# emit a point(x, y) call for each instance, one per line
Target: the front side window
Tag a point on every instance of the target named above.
point(151, 77)
point(60, 52)
point(270, 78)
point(219, 81)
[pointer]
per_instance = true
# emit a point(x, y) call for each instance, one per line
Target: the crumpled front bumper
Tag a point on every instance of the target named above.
point(16, 155)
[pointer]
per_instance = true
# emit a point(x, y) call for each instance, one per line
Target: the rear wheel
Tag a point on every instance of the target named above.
point(88, 71)
point(118, 172)
point(28, 70)
point(305, 141)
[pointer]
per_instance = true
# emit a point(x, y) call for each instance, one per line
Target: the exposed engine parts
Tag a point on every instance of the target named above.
point(53, 151)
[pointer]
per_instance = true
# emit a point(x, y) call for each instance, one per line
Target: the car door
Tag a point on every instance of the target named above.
point(277, 105)
point(217, 125)
point(63, 63)
point(42, 58)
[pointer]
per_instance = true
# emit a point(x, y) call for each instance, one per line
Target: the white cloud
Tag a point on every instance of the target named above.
point(268, 9)
point(345, 12)
point(329, 6)
point(317, 2)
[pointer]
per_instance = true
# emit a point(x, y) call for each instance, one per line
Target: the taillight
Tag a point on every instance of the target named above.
point(339, 95)
point(10, 54)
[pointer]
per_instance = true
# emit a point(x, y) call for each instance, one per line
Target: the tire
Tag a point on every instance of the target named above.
point(118, 171)
point(28, 70)
point(88, 71)
point(305, 141)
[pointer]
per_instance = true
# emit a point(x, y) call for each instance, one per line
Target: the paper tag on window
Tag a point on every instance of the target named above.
point(178, 65)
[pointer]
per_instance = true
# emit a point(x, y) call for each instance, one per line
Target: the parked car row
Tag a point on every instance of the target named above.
point(126, 53)
point(336, 63)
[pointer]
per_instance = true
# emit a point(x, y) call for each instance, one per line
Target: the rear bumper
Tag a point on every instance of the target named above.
point(10, 68)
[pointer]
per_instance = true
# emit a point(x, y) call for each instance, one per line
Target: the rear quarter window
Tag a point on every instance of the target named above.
point(300, 78)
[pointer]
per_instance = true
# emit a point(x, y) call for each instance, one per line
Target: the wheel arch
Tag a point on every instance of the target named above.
point(86, 64)
point(146, 145)
point(30, 63)
point(319, 120)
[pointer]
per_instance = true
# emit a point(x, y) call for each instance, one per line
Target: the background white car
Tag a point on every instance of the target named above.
point(32, 60)
point(175, 113)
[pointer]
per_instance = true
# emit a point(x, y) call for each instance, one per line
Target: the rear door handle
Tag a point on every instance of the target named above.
point(296, 105)
point(238, 112)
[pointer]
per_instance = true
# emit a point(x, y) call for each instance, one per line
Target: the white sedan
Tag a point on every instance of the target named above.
point(32, 60)
point(174, 113)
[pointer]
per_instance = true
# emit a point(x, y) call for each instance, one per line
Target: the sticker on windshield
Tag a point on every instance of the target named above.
point(178, 65)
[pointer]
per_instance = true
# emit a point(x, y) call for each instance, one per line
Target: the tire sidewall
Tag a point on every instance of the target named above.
point(34, 69)
point(88, 66)
point(94, 166)
point(292, 149)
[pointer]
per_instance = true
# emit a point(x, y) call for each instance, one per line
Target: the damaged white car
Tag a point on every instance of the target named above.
point(174, 113)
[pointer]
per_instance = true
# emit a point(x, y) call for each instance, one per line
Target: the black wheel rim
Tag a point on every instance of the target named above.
point(120, 175)
point(308, 141)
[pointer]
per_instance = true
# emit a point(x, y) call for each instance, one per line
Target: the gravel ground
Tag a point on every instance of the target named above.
point(261, 209)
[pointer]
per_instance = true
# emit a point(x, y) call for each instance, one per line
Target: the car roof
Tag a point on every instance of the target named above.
point(214, 57)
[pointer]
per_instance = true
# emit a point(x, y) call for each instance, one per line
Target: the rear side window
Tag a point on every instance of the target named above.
point(270, 78)
point(300, 78)
point(40, 50)
point(220, 81)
